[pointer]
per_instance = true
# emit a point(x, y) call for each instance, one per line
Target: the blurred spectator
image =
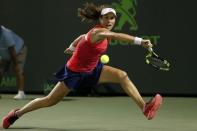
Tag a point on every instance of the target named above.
point(13, 54)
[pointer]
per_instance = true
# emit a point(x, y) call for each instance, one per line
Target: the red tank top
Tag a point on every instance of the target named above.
point(87, 55)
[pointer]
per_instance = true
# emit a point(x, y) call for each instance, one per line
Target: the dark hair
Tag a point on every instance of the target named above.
point(90, 12)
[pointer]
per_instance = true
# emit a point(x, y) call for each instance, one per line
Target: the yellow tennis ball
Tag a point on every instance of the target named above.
point(104, 59)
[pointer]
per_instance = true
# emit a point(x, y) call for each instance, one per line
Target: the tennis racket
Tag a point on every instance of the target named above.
point(156, 61)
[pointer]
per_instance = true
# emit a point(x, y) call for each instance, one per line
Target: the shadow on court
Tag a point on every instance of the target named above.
point(54, 129)
point(32, 97)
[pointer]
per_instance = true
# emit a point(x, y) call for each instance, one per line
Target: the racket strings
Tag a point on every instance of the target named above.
point(158, 62)
point(155, 61)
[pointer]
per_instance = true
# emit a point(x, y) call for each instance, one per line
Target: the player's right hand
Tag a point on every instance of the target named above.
point(146, 44)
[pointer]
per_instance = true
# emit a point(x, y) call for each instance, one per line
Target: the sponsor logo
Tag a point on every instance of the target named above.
point(8, 82)
point(126, 10)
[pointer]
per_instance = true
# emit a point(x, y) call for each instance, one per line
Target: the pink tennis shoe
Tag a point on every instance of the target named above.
point(9, 119)
point(152, 107)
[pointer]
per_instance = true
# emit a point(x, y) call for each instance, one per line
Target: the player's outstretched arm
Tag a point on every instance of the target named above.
point(104, 33)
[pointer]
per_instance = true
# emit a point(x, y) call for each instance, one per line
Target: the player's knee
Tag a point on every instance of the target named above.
point(122, 75)
point(46, 101)
point(50, 101)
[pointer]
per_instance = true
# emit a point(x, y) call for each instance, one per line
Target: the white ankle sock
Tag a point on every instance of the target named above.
point(21, 92)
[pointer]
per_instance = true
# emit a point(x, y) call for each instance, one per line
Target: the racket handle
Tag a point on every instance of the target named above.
point(150, 49)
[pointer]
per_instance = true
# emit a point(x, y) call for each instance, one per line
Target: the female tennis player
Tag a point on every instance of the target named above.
point(84, 68)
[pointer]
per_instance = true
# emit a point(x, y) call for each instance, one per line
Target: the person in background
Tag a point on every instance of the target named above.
point(13, 54)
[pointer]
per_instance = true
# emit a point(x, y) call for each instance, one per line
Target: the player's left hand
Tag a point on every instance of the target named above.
point(68, 51)
point(146, 44)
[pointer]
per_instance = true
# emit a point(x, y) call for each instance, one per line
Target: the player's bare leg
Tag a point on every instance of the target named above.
point(59, 91)
point(114, 75)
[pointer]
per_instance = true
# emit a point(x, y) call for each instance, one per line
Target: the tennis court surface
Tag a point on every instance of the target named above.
point(103, 114)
